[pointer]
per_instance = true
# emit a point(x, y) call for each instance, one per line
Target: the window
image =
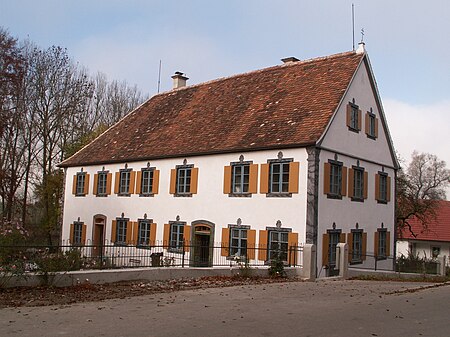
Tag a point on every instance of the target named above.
point(278, 245)
point(124, 184)
point(183, 181)
point(353, 117)
point(371, 125)
point(279, 177)
point(357, 189)
point(240, 178)
point(102, 183)
point(435, 251)
point(356, 254)
point(335, 179)
point(382, 244)
point(77, 233)
point(80, 184)
point(143, 238)
point(121, 231)
point(238, 240)
point(176, 236)
point(382, 187)
point(334, 239)
point(146, 182)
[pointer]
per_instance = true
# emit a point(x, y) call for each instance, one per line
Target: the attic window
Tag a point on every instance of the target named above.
point(353, 117)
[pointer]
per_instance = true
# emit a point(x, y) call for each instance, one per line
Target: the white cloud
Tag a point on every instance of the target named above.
point(424, 128)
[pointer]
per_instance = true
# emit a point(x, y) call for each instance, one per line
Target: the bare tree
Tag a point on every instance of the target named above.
point(419, 188)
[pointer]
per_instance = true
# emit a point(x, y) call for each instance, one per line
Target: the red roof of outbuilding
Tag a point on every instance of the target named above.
point(436, 230)
point(283, 106)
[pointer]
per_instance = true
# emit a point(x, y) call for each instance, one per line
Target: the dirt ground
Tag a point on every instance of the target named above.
point(44, 296)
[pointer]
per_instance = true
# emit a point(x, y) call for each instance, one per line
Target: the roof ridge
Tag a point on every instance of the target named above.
point(257, 71)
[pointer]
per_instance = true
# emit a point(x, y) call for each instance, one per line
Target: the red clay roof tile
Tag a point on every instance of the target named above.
point(282, 106)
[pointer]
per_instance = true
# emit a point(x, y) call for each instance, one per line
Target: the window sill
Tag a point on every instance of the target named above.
point(101, 195)
point(382, 202)
point(334, 196)
point(240, 195)
point(145, 195)
point(175, 250)
point(120, 244)
point(123, 194)
point(379, 258)
point(357, 199)
point(279, 195)
point(144, 247)
point(353, 129)
point(371, 137)
point(80, 195)
point(356, 262)
point(183, 195)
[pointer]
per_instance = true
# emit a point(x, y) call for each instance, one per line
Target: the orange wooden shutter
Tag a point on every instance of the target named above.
point(253, 179)
point(292, 248)
point(326, 178)
point(251, 243)
point(86, 184)
point(388, 189)
point(129, 229)
point(134, 236)
point(344, 181)
point(366, 184)
point(227, 179)
point(262, 247)
point(349, 115)
point(132, 182)
point(71, 234)
point(225, 251)
point(377, 186)
point(388, 243)
point(359, 119)
point(376, 127)
point(155, 187)
point(152, 240)
point(83, 234)
point(113, 231)
point(264, 183)
point(342, 238)
point(194, 180)
point(350, 246)
point(325, 247)
point(138, 182)
point(94, 187)
point(173, 181)
point(74, 185)
point(351, 180)
point(294, 168)
point(364, 246)
point(117, 183)
point(367, 123)
point(376, 243)
point(108, 183)
point(187, 238)
point(166, 235)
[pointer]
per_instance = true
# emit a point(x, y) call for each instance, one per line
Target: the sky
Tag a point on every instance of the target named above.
point(408, 42)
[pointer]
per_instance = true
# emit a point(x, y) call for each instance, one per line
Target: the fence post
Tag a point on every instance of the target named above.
point(182, 261)
point(441, 260)
point(309, 262)
point(341, 259)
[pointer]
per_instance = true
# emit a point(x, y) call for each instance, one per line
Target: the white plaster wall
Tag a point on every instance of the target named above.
point(210, 203)
point(423, 248)
point(339, 138)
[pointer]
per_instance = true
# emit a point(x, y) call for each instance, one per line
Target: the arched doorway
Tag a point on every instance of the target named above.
point(98, 236)
point(203, 243)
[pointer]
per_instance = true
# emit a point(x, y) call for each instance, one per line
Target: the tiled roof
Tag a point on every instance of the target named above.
point(436, 230)
point(282, 106)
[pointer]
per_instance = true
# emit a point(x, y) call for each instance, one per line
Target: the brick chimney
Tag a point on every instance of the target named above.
point(290, 59)
point(179, 80)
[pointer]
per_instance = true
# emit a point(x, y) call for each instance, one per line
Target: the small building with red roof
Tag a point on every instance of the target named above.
point(428, 241)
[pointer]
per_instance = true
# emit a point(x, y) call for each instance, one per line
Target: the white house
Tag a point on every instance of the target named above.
point(430, 241)
point(291, 154)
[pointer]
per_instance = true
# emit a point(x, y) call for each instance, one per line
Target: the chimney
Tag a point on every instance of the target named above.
point(361, 48)
point(179, 80)
point(290, 59)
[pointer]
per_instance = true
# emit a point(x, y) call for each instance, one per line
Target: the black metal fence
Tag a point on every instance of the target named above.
point(68, 257)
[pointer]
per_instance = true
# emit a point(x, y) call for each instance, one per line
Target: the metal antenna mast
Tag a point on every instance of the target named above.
point(159, 75)
point(353, 24)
